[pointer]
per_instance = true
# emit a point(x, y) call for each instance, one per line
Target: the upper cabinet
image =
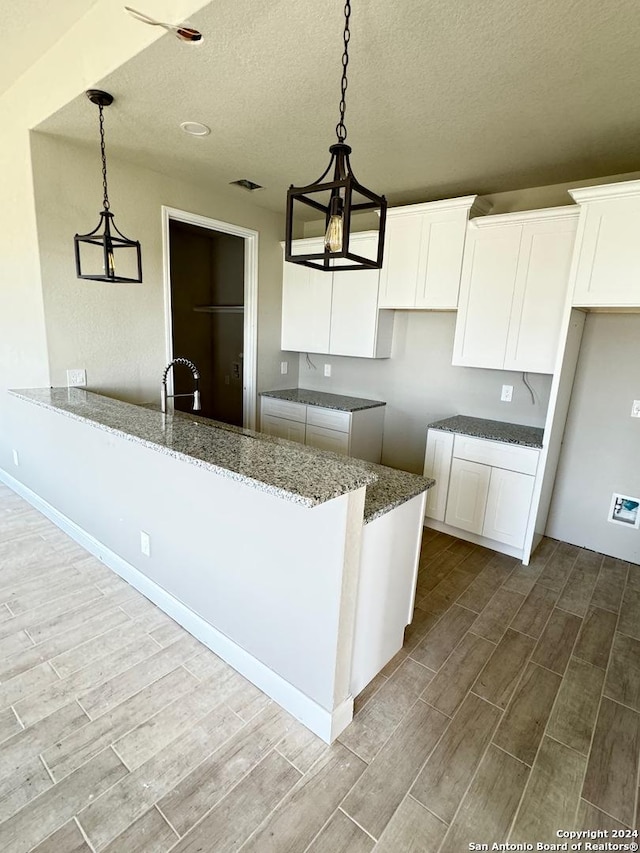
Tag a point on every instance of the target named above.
point(513, 290)
point(423, 253)
point(335, 313)
point(607, 268)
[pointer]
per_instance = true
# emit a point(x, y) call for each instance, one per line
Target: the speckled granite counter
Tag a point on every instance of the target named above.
point(528, 436)
point(321, 398)
point(283, 468)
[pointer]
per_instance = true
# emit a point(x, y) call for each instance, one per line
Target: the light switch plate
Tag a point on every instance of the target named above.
point(635, 409)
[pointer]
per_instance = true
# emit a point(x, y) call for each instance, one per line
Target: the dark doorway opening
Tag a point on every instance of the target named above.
point(207, 313)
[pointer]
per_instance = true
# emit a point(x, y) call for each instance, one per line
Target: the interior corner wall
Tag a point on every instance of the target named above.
point(601, 448)
point(420, 385)
point(117, 332)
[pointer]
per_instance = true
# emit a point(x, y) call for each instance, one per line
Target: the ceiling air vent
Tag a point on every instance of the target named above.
point(247, 185)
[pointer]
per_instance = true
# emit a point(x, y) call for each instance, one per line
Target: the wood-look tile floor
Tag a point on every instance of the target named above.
point(512, 711)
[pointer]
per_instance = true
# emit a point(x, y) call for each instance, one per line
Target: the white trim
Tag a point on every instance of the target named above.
point(569, 211)
point(326, 724)
point(623, 189)
point(467, 202)
point(250, 350)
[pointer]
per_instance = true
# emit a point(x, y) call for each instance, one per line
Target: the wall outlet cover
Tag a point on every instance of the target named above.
point(284, 367)
point(327, 370)
point(145, 543)
point(507, 393)
point(76, 378)
point(635, 409)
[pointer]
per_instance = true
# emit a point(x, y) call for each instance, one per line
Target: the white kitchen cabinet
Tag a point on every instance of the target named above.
point(306, 309)
point(423, 253)
point(485, 489)
point(334, 313)
point(467, 498)
point(283, 428)
point(607, 268)
point(508, 504)
point(357, 434)
point(515, 276)
point(437, 464)
point(327, 439)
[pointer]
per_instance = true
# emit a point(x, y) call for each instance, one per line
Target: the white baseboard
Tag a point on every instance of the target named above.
point(326, 724)
point(476, 539)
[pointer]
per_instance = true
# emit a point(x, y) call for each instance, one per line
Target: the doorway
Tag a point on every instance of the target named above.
point(210, 308)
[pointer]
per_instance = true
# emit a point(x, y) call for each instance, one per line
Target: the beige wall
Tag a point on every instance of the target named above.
point(117, 332)
point(95, 46)
point(420, 385)
point(601, 448)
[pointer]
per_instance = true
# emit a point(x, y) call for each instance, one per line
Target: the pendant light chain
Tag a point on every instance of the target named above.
point(341, 130)
point(103, 154)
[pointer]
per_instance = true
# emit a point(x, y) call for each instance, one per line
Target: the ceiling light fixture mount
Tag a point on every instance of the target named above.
point(106, 235)
point(337, 197)
point(195, 128)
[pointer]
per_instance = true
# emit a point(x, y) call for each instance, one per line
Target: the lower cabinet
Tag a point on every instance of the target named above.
point(357, 434)
point(283, 428)
point(484, 487)
point(467, 498)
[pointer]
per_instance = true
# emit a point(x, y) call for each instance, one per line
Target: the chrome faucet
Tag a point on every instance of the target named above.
point(195, 393)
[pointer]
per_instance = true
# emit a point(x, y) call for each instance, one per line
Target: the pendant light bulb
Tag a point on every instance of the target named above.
point(335, 227)
point(111, 263)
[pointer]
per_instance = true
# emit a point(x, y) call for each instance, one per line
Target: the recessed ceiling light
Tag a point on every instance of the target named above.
point(195, 128)
point(246, 184)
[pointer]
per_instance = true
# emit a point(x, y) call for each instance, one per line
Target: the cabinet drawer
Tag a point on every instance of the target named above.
point(327, 439)
point(328, 418)
point(284, 409)
point(513, 457)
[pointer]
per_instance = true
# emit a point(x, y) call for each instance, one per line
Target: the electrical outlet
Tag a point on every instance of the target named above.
point(76, 378)
point(284, 367)
point(145, 543)
point(507, 393)
point(635, 409)
point(327, 370)
point(16, 458)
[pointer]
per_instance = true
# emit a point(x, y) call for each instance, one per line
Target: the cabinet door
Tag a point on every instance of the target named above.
point(467, 499)
point(354, 307)
point(489, 272)
point(508, 505)
point(608, 271)
point(437, 464)
point(282, 428)
point(401, 265)
point(306, 309)
point(328, 439)
point(540, 294)
point(441, 250)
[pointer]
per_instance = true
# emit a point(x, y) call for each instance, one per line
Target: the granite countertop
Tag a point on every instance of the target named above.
point(283, 468)
point(527, 436)
point(321, 398)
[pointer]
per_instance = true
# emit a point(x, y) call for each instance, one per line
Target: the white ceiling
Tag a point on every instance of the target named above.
point(29, 28)
point(445, 97)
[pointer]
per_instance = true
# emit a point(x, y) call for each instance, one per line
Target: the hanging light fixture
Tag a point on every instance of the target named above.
point(116, 259)
point(337, 198)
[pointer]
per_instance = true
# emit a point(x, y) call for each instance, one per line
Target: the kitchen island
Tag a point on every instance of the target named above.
point(296, 566)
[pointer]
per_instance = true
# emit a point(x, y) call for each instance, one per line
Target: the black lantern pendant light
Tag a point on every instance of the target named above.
point(117, 259)
point(337, 198)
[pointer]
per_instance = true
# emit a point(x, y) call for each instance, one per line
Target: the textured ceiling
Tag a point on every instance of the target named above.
point(445, 97)
point(29, 28)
